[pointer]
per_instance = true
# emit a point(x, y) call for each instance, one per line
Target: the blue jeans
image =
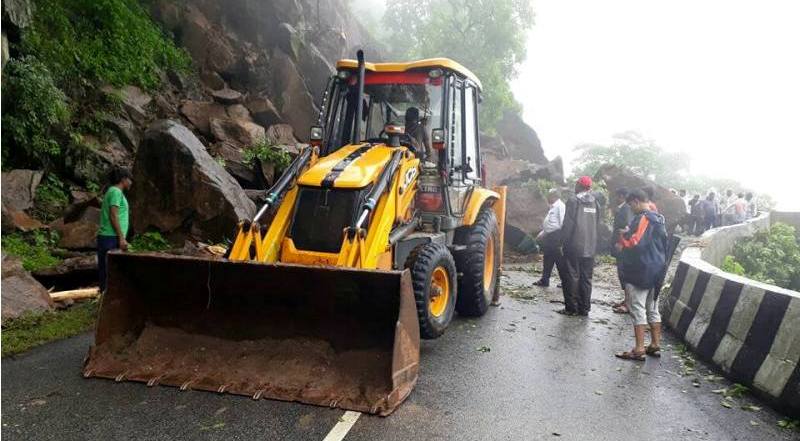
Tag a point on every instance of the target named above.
point(104, 245)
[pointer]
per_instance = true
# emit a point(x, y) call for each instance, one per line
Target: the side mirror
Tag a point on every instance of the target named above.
point(315, 137)
point(437, 139)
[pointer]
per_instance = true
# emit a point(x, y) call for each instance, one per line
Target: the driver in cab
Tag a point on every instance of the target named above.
point(420, 139)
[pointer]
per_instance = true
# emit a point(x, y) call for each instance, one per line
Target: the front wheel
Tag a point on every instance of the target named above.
point(433, 276)
point(479, 264)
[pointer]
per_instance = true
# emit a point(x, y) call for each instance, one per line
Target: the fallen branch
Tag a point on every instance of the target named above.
point(75, 294)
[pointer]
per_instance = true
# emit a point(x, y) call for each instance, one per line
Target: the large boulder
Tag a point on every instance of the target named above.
point(93, 159)
point(19, 191)
point(19, 188)
point(200, 113)
point(520, 139)
point(526, 207)
point(669, 205)
point(21, 292)
point(180, 187)
point(78, 229)
point(237, 131)
point(296, 103)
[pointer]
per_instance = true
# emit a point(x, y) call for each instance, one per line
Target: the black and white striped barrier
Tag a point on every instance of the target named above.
point(750, 330)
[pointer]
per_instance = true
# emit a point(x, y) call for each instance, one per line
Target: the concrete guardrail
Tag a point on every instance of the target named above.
point(748, 329)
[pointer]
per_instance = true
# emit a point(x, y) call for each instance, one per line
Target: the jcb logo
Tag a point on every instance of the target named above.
point(408, 179)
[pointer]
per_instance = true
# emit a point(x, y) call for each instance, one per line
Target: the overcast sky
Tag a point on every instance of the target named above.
point(717, 79)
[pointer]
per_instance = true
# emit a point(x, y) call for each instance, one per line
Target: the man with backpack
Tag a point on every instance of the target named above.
point(643, 248)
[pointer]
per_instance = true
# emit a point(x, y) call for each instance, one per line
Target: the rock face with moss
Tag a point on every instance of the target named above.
point(21, 292)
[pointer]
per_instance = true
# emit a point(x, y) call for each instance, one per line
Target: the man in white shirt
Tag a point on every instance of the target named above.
point(550, 238)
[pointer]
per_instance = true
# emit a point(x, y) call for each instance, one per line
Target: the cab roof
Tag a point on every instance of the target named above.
point(430, 63)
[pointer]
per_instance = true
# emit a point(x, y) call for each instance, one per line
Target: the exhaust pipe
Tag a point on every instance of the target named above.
point(360, 103)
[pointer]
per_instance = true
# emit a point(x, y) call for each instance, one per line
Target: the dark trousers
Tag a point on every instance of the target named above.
point(552, 257)
point(577, 287)
point(104, 245)
point(620, 275)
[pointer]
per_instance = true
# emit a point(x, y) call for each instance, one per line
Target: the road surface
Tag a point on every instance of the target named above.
point(522, 372)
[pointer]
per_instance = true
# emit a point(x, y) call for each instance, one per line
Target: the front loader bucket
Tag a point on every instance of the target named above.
point(318, 335)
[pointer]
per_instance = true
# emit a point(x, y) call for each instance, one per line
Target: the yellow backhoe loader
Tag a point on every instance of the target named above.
point(375, 235)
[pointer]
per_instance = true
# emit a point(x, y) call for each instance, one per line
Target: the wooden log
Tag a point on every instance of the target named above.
point(75, 294)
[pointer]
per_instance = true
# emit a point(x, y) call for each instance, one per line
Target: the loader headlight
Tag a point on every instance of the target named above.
point(343, 74)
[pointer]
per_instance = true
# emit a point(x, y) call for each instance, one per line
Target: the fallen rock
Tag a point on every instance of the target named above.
point(212, 80)
point(233, 158)
point(78, 231)
point(263, 111)
point(281, 134)
point(21, 292)
point(526, 208)
point(207, 43)
point(669, 205)
point(134, 101)
point(239, 111)
point(227, 96)
point(13, 220)
point(237, 131)
point(19, 188)
point(297, 105)
point(179, 186)
point(126, 131)
point(199, 113)
point(94, 163)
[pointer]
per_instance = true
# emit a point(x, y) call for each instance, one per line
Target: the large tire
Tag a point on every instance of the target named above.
point(433, 276)
point(478, 264)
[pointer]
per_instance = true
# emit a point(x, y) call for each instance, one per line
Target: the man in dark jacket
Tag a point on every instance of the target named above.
point(579, 244)
point(644, 258)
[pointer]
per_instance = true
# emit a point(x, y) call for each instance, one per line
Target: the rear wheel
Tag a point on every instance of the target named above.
point(479, 264)
point(433, 276)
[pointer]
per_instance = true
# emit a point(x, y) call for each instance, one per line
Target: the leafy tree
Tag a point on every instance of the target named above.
point(486, 36)
point(635, 152)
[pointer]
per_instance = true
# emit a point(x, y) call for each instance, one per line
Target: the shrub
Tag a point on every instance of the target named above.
point(771, 256)
point(51, 198)
point(150, 241)
point(33, 248)
point(109, 41)
point(35, 113)
point(729, 264)
point(265, 152)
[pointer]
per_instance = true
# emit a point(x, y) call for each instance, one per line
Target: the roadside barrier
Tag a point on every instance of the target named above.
point(748, 329)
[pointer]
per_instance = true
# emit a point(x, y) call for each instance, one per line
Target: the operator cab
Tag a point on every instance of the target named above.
point(428, 106)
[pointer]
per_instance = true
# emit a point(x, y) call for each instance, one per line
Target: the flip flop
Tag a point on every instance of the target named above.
point(622, 309)
point(630, 355)
point(654, 351)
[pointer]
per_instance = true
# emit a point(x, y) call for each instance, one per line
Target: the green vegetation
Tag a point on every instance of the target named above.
point(35, 112)
point(265, 152)
point(486, 36)
point(51, 198)
point(52, 87)
point(771, 256)
point(106, 41)
point(544, 186)
point(150, 241)
point(729, 264)
point(31, 330)
point(34, 248)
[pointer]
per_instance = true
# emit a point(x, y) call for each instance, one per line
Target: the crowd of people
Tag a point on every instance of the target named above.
point(641, 246)
point(716, 210)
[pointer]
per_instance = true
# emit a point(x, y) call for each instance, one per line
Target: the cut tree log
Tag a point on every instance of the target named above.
point(75, 294)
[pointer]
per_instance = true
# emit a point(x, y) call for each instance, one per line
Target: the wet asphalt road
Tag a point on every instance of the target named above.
point(545, 376)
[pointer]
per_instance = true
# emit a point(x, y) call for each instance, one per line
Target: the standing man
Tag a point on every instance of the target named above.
point(644, 256)
point(550, 239)
point(579, 243)
point(623, 215)
point(752, 207)
point(113, 221)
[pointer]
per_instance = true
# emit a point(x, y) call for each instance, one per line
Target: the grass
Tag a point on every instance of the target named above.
point(34, 248)
point(31, 330)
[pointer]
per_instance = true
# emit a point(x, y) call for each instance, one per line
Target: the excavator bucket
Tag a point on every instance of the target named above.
point(319, 335)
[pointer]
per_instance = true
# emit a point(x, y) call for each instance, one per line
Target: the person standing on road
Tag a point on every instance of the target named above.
point(579, 244)
point(644, 255)
point(623, 215)
point(113, 221)
point(550, 239)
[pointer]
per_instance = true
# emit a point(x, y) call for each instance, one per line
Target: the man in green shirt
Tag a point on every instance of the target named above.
point(113, 221)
